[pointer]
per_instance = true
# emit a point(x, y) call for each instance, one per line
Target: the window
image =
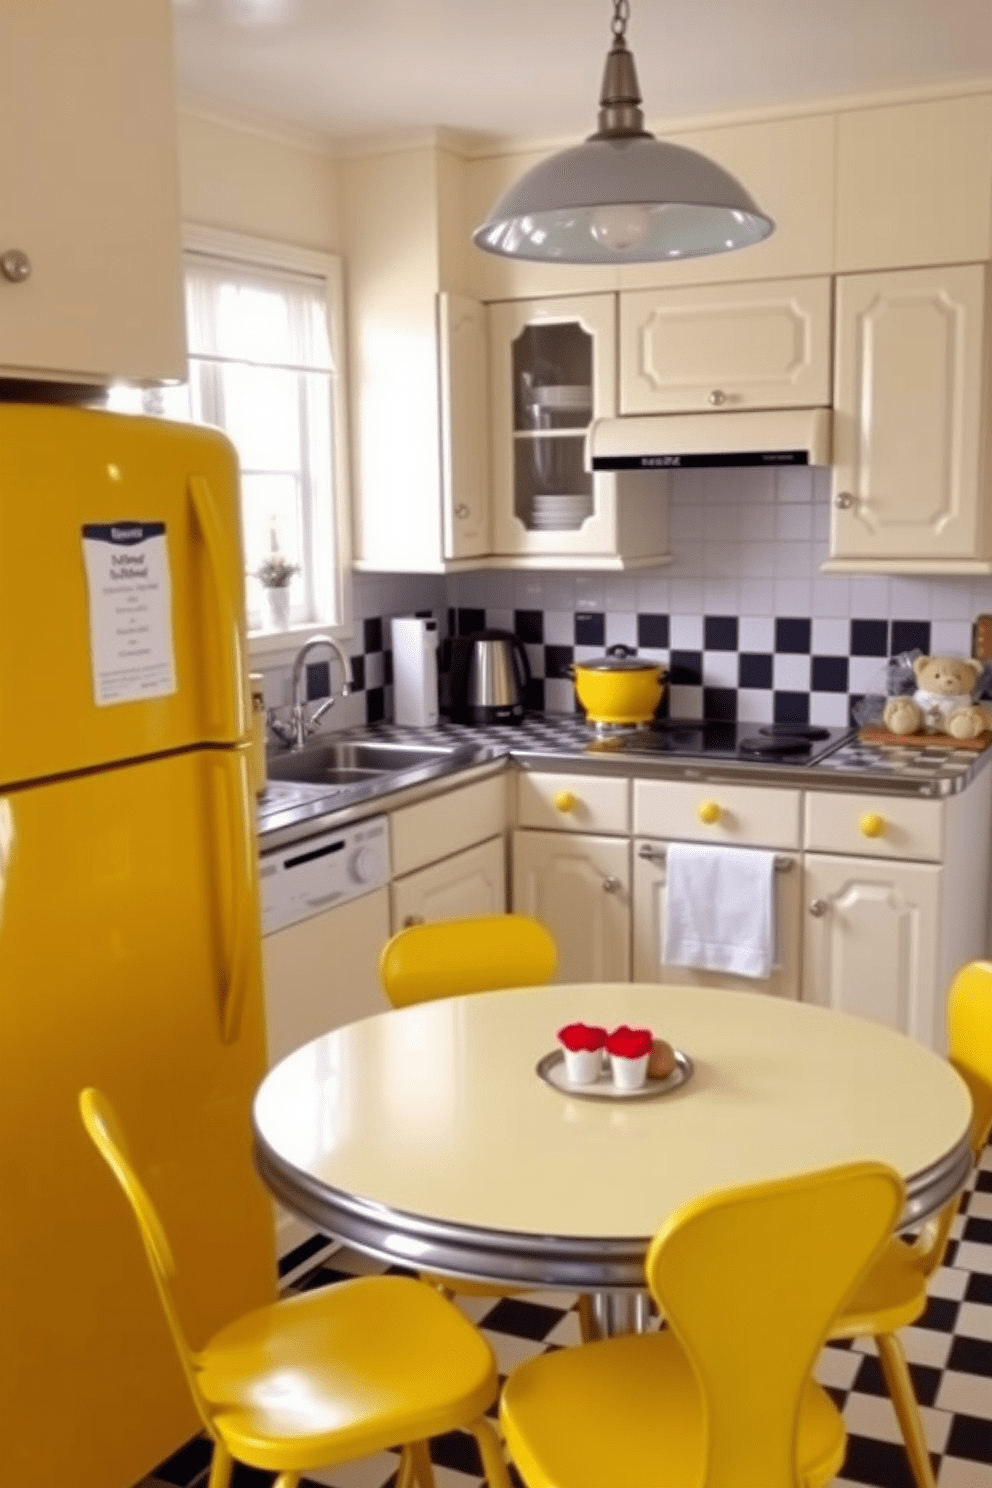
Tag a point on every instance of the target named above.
point(263, 330)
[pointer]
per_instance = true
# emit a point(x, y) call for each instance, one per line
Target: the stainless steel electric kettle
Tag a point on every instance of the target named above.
point(489, 675)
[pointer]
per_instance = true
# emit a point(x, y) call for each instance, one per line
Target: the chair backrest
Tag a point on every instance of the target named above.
point(103, 1127)
point(969, 1042)
point(750, 1280)
point(449, 957)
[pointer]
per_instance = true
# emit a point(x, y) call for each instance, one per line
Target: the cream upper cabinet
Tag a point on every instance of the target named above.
point(553, 369)
point(914, 184)
point(731, 346)
point(463, 354)
point(910, 474)
point(90, 199)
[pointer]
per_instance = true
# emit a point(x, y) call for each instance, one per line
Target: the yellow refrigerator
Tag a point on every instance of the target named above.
point(129, 930)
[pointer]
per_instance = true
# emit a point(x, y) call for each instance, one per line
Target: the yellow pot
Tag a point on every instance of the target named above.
point(622, 689)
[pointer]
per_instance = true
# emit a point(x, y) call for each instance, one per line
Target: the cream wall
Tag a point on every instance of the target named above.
point(252, 182)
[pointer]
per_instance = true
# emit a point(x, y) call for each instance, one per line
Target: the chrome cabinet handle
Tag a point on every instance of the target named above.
point(612, 885)
point(844, 500)
point(463, 511)
point(15, 265)
point(717, 398)
point(818, 908)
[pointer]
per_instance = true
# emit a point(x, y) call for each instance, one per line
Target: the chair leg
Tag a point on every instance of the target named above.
point(417, 1456)
point(900, 1385)
point(587, 1328)
point(287, 1480)
point(491, 1452)
point(221, 1465)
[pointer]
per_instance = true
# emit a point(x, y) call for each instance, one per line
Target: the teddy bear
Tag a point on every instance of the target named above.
point(943, 702)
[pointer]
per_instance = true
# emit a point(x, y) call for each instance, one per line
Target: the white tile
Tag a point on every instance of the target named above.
point(499, 619)
point(753, 484)
point(756, 633)
point(922, 1346)
point(831, 595)
point(368, 1472)
point(566, 1333)
point(754, 705)
point(794, 484)
point(874, 1416)
point(685, 702)
point(837, 1367)
point(689, 559)
point(950, 638)
point(510, 1350)
point(723, 559)
point(830, 636)
point(980, 1205)
point(559, 627)
point(721, 597)
point(652, 593)
point(687, 524)
point(975, 1321)
point(758, 523)
point(757, 559)
point(957, 1472)
point(793, 596)
point(720, 669)
point(828, 709)
point(968, 1394)
point(587, 653)
point(866, 674)
point(791, 673)
point(950, 599)
point(621, 628)
point(685, 632)
point(948, 1282)
point(756, 597)
point(620, 590)
point(821, 530)
point(794, 560)
point(869, 597)
point(535, 656)
point(559, 695)
point(974, 1257)
point(794, 523)
point(559, 591)
point(722, 523)
point(590, 592)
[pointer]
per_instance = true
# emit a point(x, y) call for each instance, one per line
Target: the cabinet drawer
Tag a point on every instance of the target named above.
point(725, 815)
point(443, 825)
point(572, 803)
point(875, 826)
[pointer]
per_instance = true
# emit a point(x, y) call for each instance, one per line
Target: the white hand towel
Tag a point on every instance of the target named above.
point(719, 909)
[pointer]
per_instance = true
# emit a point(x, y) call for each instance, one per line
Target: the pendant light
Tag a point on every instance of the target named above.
point(622, 196)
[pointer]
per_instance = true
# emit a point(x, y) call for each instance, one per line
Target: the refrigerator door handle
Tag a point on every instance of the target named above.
point(244, 930)
point(228, 595)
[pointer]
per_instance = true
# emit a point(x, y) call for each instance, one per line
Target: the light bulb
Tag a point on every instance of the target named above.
point(622, 227)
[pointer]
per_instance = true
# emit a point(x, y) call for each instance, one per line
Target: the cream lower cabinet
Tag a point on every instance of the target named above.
point(910, 461)
point(467, 884)
point(578, 885)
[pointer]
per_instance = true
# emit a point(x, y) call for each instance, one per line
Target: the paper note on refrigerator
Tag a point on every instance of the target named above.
point(130, 593)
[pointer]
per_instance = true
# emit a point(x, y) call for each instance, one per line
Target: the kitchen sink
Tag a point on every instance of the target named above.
point(342, 762)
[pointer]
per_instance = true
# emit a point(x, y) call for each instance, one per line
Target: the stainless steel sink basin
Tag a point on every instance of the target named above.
point(342, 762)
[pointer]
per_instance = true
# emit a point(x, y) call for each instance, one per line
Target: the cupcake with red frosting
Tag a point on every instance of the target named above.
point(583, 1044)
point(629, 1050)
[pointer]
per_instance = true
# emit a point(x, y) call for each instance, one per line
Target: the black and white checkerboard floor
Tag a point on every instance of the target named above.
point(949, 1350)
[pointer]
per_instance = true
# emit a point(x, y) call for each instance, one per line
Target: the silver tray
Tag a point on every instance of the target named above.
point(551, 1068)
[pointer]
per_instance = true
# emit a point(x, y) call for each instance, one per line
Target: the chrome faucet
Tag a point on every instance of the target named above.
point(298, 730)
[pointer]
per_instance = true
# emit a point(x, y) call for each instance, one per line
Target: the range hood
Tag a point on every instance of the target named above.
point(685, 441)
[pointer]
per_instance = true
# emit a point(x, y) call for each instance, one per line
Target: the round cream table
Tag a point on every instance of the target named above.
point(424, 1136)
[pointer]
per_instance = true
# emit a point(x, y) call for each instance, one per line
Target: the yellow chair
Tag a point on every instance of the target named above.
point(325, 1377)
point(449, 957)
point(750, 1280)
point(895, 1292)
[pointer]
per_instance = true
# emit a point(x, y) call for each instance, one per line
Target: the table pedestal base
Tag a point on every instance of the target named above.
point(607, 1314)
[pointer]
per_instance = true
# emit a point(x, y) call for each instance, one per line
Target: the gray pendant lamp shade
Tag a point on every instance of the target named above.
point(622, 196)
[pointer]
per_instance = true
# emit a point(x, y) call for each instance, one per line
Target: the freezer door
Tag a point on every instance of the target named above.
point(129, 960)
point(121, 590)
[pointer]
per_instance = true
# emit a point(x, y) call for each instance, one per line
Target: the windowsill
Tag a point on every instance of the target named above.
point(269, 648)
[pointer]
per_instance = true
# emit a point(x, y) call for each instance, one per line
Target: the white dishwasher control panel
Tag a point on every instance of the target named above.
point(322, 871)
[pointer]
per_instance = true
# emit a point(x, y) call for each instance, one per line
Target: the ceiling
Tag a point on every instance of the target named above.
point(531, 69)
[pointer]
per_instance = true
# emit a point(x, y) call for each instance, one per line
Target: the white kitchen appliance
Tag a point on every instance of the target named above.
point(415, 696)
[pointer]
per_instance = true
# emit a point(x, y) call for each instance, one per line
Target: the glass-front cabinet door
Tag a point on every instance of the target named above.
point(553, 372)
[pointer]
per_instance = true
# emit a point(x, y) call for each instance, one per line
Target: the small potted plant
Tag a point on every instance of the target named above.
point(274, 574)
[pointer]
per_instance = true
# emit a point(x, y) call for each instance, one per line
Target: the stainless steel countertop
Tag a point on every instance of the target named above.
point(560, 742)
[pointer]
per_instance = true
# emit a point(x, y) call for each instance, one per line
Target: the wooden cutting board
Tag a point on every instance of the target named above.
point(875, 734)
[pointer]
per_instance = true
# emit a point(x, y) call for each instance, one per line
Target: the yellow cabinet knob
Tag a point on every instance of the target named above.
point(564, 801)
point(710, 812)
point(872, 825)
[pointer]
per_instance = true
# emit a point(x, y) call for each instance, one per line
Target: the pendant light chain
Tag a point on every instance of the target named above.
point(621, 15)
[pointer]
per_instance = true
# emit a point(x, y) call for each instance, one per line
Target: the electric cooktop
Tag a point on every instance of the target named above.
point(776, 743)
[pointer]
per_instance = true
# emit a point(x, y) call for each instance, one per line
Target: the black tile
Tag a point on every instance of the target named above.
point(321, 1276)
point(302, 1253)
point(721, 703)
point(652, 631)
point(251, 1477)
point(372, 634)
point(869, 638)
point(940, 1313)
point(686, 668)
point(471, 620)
point(754, 669)
point(790, 707)
point(971, 1356)
point(979, 1289)
point(358, 674)
point(318, 680)
point(829, 674)
point(534, 695)
point(880, 1464)
point(720, 633)
point(793, 636)
point(186, 1464)
point(529, 626)
point(970, 1437)
point(452, 622)
point(521, 1319)
point(558, 660)
point(387, 668)
point(590, 628)
point(983, 1181)
point(457, 1450)
point(977, 1230)
point(375, 705)
point(910, 635)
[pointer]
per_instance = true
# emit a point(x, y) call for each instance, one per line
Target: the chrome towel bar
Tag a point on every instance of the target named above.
point(657, 855)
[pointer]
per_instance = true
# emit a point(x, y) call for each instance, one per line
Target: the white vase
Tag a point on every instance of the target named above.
point(275, 608)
